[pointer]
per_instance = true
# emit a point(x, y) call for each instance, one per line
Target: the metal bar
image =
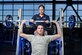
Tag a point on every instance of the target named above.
point(63, 11)
point(55, 2)
point(38, 21)
point(76, 13)
point(61, 26)
point(53, 16)
point(18, 37)
point(65, 2)
point(25, 2)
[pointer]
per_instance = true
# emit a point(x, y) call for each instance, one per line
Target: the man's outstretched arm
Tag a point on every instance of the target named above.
point(21, 30)
point(59, 33)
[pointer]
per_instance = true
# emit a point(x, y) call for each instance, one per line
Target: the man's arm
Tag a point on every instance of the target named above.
point(28, 37)
point(33, 19)
point(21, 30)
point(59, 33)
point(47, 21)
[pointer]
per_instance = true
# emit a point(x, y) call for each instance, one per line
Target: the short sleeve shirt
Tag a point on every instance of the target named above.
point(39, 44)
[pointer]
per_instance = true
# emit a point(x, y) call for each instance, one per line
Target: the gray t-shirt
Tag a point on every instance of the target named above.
point(39, 44)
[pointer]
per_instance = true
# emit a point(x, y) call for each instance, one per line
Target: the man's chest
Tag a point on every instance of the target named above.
point(40, 41)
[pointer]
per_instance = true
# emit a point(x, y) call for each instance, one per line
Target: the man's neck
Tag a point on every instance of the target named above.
point(40, 35)
point(41, 15)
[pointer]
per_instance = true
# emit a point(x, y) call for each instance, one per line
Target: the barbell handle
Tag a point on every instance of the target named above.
point(27, 21)
point(37, 21)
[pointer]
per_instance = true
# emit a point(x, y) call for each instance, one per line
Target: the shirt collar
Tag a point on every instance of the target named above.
point(43, 15)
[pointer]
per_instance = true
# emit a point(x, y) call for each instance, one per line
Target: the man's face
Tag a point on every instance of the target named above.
point(40, 30)
point(41, 10)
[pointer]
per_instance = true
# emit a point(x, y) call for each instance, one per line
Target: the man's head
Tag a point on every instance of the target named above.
point(40, 30)
point(41, 9)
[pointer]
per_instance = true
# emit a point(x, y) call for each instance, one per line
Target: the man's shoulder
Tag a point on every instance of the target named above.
point(46, 15)
point(35, 16)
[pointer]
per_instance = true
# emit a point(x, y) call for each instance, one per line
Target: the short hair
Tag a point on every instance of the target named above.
point(41, 6)
point(40, 25)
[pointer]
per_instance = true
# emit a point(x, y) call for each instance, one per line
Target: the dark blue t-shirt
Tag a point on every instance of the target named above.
point(44, 18)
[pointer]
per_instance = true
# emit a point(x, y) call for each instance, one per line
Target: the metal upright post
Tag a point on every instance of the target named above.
point(18, 37)
point(61, 26)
